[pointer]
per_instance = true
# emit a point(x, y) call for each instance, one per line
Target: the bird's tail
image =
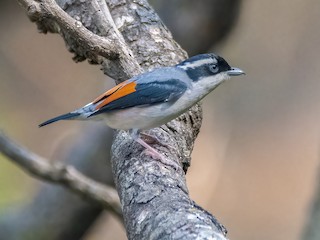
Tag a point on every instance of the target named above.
point(67, 116)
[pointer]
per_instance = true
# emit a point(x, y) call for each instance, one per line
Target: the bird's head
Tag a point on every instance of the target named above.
point(208, 67)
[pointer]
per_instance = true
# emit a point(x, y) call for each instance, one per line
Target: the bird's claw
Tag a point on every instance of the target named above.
point(158, 156)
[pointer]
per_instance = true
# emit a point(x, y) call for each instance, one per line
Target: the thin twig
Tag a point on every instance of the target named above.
point(59, 173)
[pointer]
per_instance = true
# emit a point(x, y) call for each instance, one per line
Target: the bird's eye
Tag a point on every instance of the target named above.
point(214, 68)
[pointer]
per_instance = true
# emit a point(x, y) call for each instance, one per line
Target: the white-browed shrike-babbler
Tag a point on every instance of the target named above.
point(156, 97)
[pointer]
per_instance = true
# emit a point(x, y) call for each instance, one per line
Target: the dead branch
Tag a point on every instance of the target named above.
point(89, 153)
point(48, 9)
point(155, 199)
point(59, 173)
point(112, 51)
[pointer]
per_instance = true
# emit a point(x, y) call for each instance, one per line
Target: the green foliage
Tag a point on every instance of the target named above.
point(14, 184)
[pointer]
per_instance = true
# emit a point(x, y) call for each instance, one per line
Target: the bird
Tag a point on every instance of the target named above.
point(156, 97)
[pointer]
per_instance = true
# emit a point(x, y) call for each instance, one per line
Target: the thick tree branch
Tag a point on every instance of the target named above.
point(155, 198)
point(61, 174)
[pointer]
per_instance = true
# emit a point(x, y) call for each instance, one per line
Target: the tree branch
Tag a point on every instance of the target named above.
point(61, 174)
point(89, 153)
point(155, 199)
point(48, 9)
point(112, 52)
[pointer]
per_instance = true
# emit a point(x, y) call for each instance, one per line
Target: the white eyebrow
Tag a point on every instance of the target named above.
point(198, 63)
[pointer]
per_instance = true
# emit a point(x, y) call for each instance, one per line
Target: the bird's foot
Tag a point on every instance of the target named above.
point(159, 157)
point(150, 151)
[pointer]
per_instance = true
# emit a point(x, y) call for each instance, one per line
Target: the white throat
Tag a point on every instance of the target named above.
point(206, 84)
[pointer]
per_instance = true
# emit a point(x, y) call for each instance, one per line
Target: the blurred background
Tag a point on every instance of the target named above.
point(255, 162)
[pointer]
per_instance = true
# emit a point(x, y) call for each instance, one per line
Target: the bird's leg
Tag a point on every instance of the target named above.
point(151, 151)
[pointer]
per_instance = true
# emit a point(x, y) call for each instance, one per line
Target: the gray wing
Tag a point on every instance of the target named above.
point(147, 94)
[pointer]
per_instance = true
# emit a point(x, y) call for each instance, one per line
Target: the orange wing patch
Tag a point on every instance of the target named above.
point(115, 93)
point(109, 92)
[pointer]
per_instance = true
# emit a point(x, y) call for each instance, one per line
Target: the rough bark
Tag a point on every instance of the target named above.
point(155, 198)
point(152, 45)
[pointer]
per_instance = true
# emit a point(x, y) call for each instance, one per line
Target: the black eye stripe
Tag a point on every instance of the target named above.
point(204, 65)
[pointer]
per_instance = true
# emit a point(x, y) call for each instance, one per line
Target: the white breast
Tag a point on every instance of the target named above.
point(150, 116)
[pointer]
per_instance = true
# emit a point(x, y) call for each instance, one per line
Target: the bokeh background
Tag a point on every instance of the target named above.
point(255, 163)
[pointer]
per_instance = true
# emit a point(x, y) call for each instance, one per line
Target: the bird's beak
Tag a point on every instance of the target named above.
point(235, 72)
